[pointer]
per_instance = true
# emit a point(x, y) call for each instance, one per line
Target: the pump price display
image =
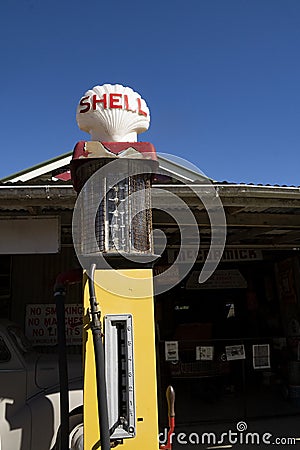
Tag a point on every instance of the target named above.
point(119, 368)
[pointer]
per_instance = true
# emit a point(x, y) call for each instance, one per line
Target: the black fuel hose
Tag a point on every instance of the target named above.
point(99, 363)
point(62, 280)
point(59, 295)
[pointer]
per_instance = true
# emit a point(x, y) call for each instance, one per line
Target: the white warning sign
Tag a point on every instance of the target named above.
point(41, 324)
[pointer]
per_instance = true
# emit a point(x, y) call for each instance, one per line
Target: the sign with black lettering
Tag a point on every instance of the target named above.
point(220, 279)
point(204, 353)
point(41, 324)
point(234, 352)
point(171, 351)
point(261, 356)
point(229, 255)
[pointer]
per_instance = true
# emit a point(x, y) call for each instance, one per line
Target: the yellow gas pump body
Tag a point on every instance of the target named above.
point(137, 301)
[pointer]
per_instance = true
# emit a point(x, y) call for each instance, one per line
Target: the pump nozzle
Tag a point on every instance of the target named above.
point(170, 394)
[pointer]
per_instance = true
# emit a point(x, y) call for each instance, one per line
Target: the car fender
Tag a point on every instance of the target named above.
point(15, 433)
point(45, 412)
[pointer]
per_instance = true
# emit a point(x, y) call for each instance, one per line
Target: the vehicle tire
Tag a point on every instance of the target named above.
point(75, 433)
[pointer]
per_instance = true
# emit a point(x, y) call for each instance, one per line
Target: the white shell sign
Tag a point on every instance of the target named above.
point(113, 113)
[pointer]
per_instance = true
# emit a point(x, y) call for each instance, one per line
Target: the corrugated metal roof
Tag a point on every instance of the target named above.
point(167, 167)
point(255, 184)
point(21, 176)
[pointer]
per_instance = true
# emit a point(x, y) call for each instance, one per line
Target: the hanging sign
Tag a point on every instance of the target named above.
point(220, 279)
point(229, 255)
point(29, 235)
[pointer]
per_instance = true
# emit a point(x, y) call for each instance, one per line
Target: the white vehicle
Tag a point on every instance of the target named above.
point(29, 394)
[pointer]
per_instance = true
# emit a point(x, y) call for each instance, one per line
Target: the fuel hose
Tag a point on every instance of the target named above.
point(95, 316)
point(62, 280)
point(59, 295)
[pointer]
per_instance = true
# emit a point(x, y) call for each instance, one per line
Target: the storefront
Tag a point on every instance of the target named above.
point(231, 345)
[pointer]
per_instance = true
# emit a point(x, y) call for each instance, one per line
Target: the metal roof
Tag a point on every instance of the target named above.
point(262, 216)
point(38, 169)
point(168, 167)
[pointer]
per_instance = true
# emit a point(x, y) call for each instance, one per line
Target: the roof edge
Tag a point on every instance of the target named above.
point(35, 167)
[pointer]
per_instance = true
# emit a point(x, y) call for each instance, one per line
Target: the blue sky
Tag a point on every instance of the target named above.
point(221, 79)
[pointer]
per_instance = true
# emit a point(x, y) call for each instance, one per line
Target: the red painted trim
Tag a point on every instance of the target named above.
point(117, 147)
point(81, 155)
point(168, 445)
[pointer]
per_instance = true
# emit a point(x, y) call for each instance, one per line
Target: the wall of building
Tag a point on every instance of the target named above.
point(33, 278)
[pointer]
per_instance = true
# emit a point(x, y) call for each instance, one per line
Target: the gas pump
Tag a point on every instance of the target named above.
point(112, 230)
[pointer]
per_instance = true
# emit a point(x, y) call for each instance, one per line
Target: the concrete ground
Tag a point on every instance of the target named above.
point(206, 421)
point(263, 433)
